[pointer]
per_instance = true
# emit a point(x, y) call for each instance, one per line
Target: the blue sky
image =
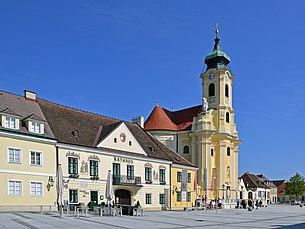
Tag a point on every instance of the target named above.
point(117, 58)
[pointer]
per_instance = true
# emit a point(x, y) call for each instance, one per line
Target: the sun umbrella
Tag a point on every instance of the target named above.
point(109, 188)
point(59, 187)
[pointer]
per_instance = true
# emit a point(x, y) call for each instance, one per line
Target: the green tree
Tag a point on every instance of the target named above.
point(295, 187)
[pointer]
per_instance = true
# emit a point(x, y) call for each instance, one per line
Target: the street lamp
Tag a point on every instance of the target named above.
point(223, 191)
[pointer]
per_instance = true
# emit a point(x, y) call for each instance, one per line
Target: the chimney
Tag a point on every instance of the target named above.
point(138, 120)
point(30, 95)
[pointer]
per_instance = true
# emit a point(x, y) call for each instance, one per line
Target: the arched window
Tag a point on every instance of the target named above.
point(186, 149)
point(227, 91)
point(211, 89)
point(228, 117)
point(228, 151)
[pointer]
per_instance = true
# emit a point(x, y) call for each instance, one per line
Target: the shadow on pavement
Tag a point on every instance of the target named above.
point(294, 226)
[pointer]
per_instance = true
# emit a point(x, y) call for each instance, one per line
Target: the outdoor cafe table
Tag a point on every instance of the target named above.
point(107, 211)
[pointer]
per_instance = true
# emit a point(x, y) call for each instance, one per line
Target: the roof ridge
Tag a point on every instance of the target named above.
point(181, 109)
point(11, 93)
point(251, 178)
point(76, 109)
point(153, 139)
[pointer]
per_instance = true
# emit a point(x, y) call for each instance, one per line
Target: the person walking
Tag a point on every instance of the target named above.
point(250, 204)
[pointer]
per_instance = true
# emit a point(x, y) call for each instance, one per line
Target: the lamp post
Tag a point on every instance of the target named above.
point(223, 191)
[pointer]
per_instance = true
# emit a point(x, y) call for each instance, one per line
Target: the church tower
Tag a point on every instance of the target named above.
point(214, 135)
point(206, 134)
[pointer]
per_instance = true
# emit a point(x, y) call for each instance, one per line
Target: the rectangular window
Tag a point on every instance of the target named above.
point(148, 198)
point(36, 127)
point(10, 122)
point(36, 189)
point(178, 196)
point(259, 193)
point(73, 165)
point(15, 188)
point(130, 172)
point(116, 173)
point(35, 158)
point(178, 176)
point(93, 168)
point(162, 175)
point(162, 199)
point(188, 197)
point(14, 155)
point(189, 178)
point(73, 196)
point(148, 174)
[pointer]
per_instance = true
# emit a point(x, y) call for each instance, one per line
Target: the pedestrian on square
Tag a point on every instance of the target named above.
point(219, 203)
point(237, 203)
point(250, 204)
point(256, 204)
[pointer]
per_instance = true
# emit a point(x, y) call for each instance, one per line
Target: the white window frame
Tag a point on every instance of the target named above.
point(8, 187)
point(8, 122)
point(34, 126)
point(8, 155)
point(41, 157)
point(42, 191)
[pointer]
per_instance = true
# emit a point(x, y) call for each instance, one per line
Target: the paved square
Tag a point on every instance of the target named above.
point(275, 216)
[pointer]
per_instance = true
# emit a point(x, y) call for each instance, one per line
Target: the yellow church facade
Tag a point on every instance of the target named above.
point(206, 134)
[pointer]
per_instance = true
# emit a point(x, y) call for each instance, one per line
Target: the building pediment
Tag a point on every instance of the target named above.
point(120, 137)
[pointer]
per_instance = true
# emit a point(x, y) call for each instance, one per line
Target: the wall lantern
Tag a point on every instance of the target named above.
point(50, 183)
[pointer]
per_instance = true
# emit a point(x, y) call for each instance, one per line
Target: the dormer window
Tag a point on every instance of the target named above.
point(9, 119)
point(10, 122)
point(34, 124)
point(36, 128)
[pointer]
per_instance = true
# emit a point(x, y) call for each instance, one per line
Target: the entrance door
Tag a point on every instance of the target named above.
point(116, 173)
point(93, 199)
point(122, 196)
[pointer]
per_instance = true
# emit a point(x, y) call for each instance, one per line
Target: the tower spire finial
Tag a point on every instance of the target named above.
point(216, 45)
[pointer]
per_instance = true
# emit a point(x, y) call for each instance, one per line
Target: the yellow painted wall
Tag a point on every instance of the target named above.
point(177, 185)
point(26, 173)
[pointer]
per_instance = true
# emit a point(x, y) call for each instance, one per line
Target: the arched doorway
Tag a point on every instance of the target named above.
point(122, 196)
point(250, 195)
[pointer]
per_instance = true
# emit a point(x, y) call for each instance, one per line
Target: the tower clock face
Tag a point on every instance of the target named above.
point(211, 76)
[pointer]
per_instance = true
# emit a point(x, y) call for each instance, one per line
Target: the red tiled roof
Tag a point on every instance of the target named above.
point(162, 119)
point(281, 189)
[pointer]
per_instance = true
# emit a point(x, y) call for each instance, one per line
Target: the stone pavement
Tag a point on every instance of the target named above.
point(275, 216)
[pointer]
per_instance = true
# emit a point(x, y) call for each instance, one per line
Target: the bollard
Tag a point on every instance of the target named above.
point(49, 210)
point(41, 209)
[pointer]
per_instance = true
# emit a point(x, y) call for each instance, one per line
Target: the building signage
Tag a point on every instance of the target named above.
point(123, 160)
point(184, 180)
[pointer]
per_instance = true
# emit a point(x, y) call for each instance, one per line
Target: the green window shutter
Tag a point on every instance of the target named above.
point(130, 172)
point(188, 197)
point(178, 176)
point(189, 177)
point(162, 175)
point(93, 168)
point(179, 196)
